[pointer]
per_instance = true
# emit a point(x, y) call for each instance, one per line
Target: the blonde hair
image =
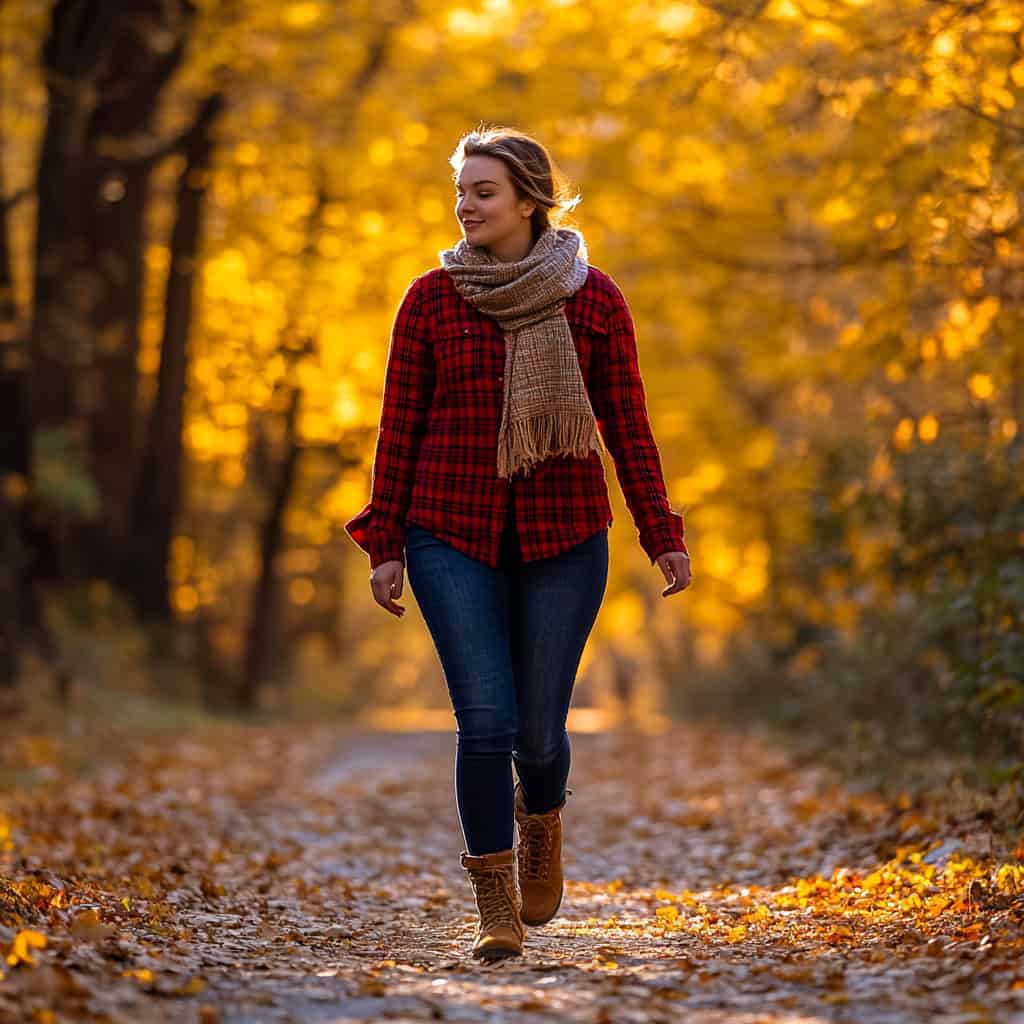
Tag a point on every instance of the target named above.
point(533, 172)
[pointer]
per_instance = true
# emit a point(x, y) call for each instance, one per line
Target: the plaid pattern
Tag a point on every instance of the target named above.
point(435, 457)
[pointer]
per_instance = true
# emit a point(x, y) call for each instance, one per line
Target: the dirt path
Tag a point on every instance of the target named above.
point(293, 874)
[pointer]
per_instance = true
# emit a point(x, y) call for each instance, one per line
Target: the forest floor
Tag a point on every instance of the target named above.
point(292, 873)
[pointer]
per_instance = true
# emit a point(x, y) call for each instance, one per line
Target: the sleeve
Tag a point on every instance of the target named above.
point(379, 529)
point(620, 405)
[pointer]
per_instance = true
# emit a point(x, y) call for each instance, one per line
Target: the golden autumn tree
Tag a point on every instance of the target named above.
point(812, 208)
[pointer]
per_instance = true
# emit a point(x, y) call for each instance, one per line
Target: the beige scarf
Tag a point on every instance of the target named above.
point(546, 410)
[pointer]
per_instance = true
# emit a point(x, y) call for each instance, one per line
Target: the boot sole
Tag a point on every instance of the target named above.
point(497, 954)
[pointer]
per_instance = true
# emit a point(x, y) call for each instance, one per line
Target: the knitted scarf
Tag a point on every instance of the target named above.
point(545, 410)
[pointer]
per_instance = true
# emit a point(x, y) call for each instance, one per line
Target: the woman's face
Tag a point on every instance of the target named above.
point(488, 209)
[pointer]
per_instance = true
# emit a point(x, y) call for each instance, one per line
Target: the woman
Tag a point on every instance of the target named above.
point(489, 487)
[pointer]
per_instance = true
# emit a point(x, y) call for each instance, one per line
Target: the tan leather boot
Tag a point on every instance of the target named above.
point(500, 931)
point(540, 861)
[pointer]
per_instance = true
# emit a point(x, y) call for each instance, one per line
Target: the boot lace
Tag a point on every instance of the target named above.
point(537, 835)
point(495, 900)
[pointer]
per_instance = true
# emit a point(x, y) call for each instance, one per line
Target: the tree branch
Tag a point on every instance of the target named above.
point(991, 118)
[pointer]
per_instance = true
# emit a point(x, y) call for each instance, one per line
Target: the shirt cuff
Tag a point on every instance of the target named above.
point(385, 550)
point(662, 537)
point(381, 543)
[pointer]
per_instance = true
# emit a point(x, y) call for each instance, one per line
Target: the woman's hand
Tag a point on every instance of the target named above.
point(676, 567)
point(386, 584)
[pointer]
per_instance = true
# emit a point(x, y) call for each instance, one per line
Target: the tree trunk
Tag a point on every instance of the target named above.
point(106, 63)
point(148, 49)
point(261, 617)
point(21, 544)
point(73, 59)
point(14, 464)
point(158, 484)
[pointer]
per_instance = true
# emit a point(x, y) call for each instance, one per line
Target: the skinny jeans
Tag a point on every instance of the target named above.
point(509, 640)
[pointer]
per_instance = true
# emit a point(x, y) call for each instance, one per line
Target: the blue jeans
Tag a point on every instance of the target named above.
point(509, 640)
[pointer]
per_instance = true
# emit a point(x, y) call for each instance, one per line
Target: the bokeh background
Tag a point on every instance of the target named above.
point(210, 212)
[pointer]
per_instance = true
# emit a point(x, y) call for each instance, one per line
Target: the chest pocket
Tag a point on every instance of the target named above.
point(462, 355)
point(588, 334)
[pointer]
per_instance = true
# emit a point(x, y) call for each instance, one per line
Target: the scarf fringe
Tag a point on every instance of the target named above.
point(531, 440)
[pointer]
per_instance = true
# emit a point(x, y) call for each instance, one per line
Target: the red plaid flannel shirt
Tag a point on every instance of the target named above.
point(436, 456)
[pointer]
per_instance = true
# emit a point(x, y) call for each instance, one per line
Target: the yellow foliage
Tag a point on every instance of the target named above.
point(760, 451)
point(24, 942)
point(851, 334)
point(695, 161)
point(881, 468)
point(301, 591)
point(944, 44)
point(381, 152)
point(671, 423)
point(225, 276)
point(349, 409)
point(718, 556)
point(231, 473)
point(185, 599)
point(1010, 878)
point(709, 647)
point(903, 435)
point(301, 15)
point(707, 477)
point(371, 224)
point(837, 210)
point(693, 202)
point(461, 21)
point(675, 18)
point(981, 386)
point(623, 615)
point(158, 257)
point(1005, 211)
point(967, 325)
point(247, 154)
point(928, 428)
point(750, 581)
point(845, 613)
point(783, 9)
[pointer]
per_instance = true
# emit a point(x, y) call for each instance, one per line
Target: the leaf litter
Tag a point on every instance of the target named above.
point(296, 873)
